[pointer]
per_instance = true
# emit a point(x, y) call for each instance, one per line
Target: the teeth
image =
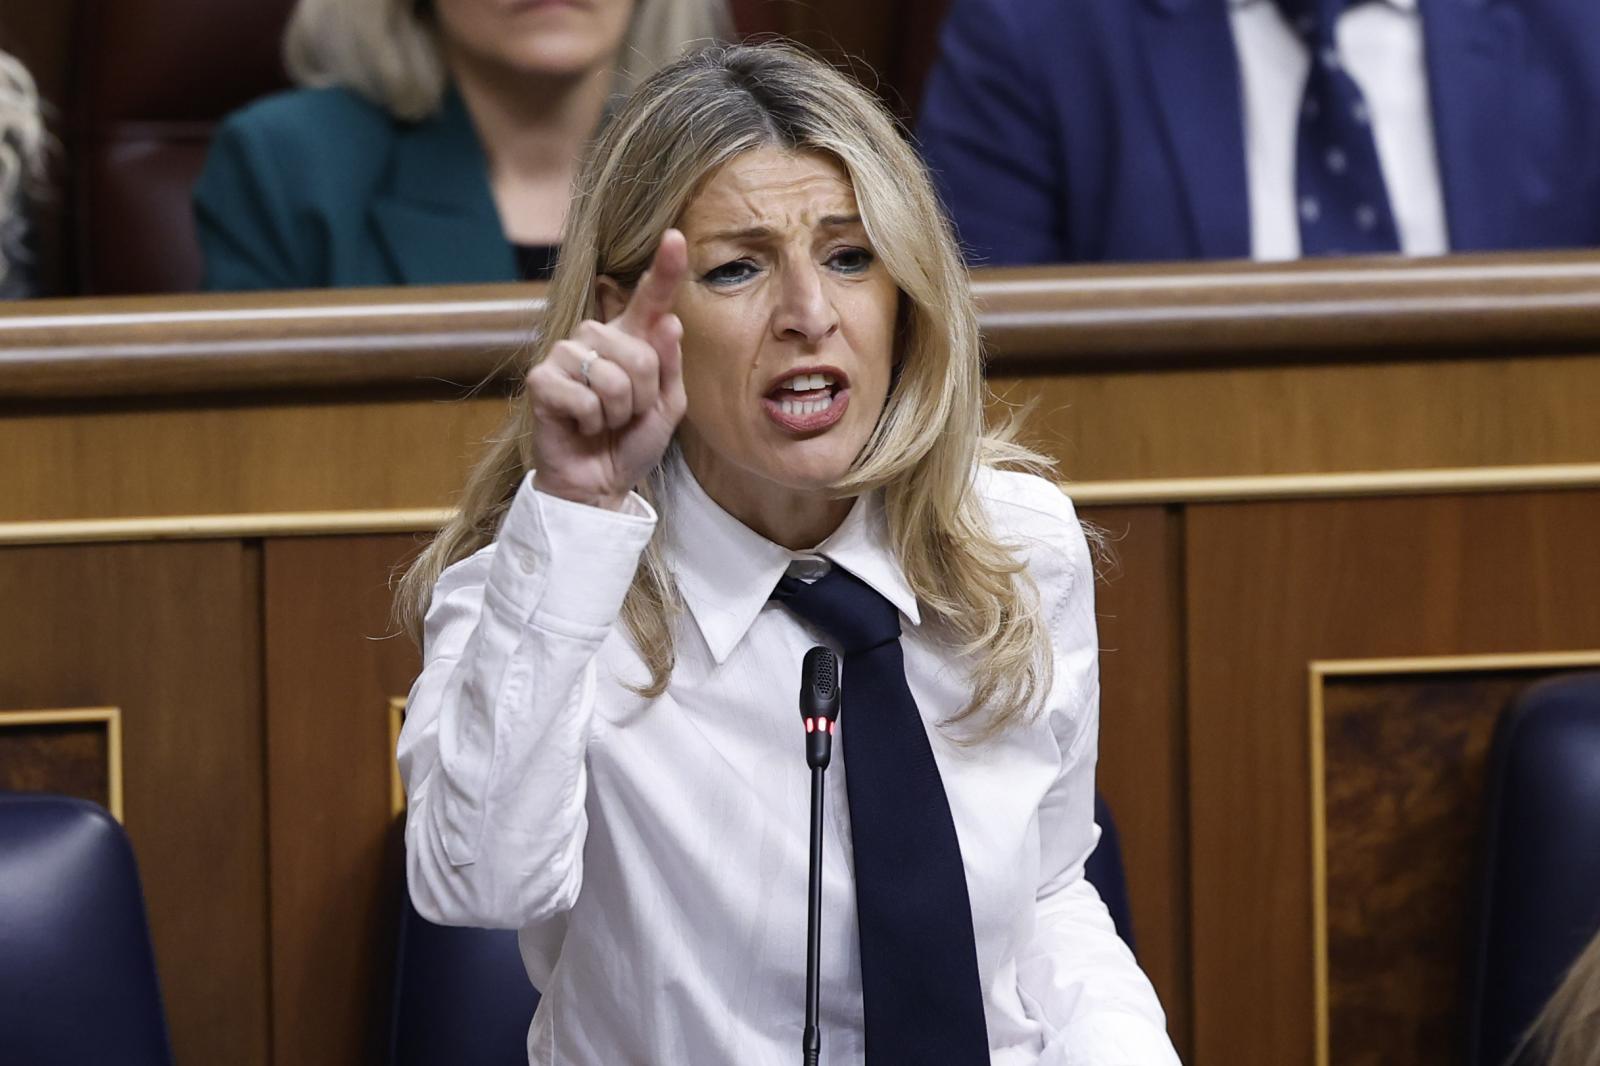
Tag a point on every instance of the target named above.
point(808, 382)
point(801, 408)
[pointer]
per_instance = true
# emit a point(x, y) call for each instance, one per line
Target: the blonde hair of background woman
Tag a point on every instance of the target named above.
point(1567, 1032)
point(22, 154)
point(667, 139)
point(388, 50)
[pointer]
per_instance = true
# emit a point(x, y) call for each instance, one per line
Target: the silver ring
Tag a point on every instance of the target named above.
point(583, 366)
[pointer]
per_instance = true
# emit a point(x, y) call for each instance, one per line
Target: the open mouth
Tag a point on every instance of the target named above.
point(808, 399)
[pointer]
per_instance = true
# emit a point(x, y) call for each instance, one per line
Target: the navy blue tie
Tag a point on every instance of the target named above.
point(1340, 196)
point(919, 963)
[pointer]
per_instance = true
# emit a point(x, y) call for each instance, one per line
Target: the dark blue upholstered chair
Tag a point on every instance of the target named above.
point(462, 996)
point(77, 972)
point(1104, 871)
point(1540, 891)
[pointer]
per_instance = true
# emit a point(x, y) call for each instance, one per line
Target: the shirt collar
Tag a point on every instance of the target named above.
point(726, 571)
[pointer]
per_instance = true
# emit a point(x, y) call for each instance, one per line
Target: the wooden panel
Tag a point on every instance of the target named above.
point(1036, 320)
point(1142, 745)
point(220, 459)
point(1305, 419)
point(167, 633)
point(333, 665)
point(1273, 586)
point(415, 453)
point(41, 753)
point(1405, 760)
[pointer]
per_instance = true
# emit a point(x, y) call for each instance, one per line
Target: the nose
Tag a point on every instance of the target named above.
point(804, 311)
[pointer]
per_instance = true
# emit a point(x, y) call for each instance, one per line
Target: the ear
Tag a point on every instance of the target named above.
point(610, 297)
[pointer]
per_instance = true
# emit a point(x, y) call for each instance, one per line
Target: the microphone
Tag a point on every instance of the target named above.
point(819, 704)
point(819, 707)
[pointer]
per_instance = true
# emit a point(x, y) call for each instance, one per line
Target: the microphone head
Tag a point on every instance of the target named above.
point(819, 684)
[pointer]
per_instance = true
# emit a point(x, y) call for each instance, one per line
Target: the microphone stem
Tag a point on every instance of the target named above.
point(811, 1042)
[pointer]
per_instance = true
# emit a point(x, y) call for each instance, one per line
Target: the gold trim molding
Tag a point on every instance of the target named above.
point(223, 526)
point(1422, 482)
point(110, 717)
point(397, 788)
point(1425, 482)
point(1318, 672)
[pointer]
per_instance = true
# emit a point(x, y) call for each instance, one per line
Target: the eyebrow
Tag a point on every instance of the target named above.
point(756, 233)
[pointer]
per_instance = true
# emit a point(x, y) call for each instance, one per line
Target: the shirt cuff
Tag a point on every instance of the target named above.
point(572, 563)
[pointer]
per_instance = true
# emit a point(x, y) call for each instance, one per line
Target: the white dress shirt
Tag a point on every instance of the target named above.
point(1381, 47)
point(654, 852)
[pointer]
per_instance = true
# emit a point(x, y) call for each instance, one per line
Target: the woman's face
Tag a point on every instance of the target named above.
point(789, 326)
point(545, 38)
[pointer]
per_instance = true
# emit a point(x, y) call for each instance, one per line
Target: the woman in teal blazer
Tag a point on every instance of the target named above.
point(435, 142)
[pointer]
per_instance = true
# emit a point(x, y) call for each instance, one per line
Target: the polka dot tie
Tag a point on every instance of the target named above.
point(1339, 192)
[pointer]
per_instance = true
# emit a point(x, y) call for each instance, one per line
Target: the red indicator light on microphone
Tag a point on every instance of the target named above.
point(811, 725)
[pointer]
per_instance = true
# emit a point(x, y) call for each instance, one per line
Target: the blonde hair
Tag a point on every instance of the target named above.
point(388, 50)
point(676, 130)
point(22, 158)
point(1567, 1031)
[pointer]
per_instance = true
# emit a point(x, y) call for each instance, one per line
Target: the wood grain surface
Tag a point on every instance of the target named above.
point(69, 758)
point(1036, 320)
point(1272, 587)
point(397, 452)
point(1142, 771)
point(243, 459)
point(1406, 759)
point(333, 662)
point(1299, 419)
point(169, 634)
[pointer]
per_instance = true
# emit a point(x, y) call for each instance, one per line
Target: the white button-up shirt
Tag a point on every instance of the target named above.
point(654, 853)
point(1381, 46)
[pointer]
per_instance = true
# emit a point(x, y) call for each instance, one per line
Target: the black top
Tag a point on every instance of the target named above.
point(536, 262)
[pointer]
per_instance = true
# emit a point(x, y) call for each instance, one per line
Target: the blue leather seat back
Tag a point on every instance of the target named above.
point(77, 971)
point(1104, 871)
point(462, 996)
point(1540, 892)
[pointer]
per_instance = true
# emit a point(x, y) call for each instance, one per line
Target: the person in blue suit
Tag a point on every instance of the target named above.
point(1095, 130)
point(435, 141)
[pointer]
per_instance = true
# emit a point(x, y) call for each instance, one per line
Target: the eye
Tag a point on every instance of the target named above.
point(730, 273)
point(851, 260)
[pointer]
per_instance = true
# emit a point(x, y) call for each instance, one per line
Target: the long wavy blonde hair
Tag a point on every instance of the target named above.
point(388, 50)
point(1567, 1032)
point(678, 129)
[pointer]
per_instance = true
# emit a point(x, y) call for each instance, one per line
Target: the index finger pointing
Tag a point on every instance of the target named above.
point(657, 290)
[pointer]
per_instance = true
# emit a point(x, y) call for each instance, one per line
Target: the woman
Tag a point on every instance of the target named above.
point(759, 370)
point(436, 141)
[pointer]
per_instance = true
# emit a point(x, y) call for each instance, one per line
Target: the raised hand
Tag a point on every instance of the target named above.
point(607, 399)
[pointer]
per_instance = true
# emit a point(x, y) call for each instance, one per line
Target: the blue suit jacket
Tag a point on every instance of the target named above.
point(318, 187)
point(1066, 130)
